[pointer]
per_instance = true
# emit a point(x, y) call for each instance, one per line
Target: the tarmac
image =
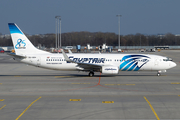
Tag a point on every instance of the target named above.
point(32, 93)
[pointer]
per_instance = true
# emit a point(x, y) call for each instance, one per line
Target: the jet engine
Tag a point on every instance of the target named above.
point(110, 69)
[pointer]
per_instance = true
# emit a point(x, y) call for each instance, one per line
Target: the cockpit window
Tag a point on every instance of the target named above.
point(167, 59)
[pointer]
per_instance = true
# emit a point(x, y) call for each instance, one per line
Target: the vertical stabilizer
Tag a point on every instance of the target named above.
point(21, 43)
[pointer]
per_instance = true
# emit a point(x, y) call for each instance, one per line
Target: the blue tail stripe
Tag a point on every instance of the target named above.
point(14, 29)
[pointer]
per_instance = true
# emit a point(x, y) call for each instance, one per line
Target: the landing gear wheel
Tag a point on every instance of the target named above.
point(91, 74)
point(158, 74)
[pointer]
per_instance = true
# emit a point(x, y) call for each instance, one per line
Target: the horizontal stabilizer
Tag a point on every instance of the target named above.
point(17, 56)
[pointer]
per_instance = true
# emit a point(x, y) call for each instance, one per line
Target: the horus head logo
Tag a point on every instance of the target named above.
point(133, 62)
point(20, 44)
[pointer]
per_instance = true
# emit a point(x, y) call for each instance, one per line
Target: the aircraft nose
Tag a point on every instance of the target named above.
point(173, 64)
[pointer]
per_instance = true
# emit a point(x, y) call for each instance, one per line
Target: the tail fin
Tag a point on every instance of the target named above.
point(22, 45)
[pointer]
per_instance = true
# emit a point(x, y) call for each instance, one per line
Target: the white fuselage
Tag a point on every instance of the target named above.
point(104, 63)
point(125, 62)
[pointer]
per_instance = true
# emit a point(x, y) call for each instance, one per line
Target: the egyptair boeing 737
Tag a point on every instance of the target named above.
point(105, 63)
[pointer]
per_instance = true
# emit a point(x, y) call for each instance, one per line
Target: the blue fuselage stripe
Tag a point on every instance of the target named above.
point(127, 66)
point(132, 67)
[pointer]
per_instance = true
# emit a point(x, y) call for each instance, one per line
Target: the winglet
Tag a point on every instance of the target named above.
point(65, 56)
point(70, 52)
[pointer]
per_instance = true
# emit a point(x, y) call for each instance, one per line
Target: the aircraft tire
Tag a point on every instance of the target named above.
point(158, 74)
point(91, 74)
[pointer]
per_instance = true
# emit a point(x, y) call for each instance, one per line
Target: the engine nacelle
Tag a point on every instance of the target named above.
point(110, 69)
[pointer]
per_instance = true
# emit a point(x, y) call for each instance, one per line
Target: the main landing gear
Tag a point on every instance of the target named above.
point(91, 73)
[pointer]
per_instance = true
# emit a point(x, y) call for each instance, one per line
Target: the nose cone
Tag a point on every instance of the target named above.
point(172, 64)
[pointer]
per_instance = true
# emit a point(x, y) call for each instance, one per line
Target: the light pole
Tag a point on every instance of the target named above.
point(119, 50)
point(58, 31)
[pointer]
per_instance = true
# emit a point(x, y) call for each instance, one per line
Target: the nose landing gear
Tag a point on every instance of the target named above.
point(158, 74)
point(160, 71)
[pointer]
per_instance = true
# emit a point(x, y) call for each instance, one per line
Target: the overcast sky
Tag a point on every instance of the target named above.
point(138, 16)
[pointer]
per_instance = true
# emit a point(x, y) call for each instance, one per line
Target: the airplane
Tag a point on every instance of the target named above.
point(104, 63)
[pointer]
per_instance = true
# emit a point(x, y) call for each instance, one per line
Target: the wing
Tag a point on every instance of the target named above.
point(83, 66)
point(89, 66)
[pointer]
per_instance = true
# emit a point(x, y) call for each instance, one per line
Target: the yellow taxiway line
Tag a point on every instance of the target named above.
point(175, 83)
point(80, 83)
point(151, 108)
point(2, 107)
point(27, 108)
point(61, 76)
point(74, 99)
point(107, 101)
